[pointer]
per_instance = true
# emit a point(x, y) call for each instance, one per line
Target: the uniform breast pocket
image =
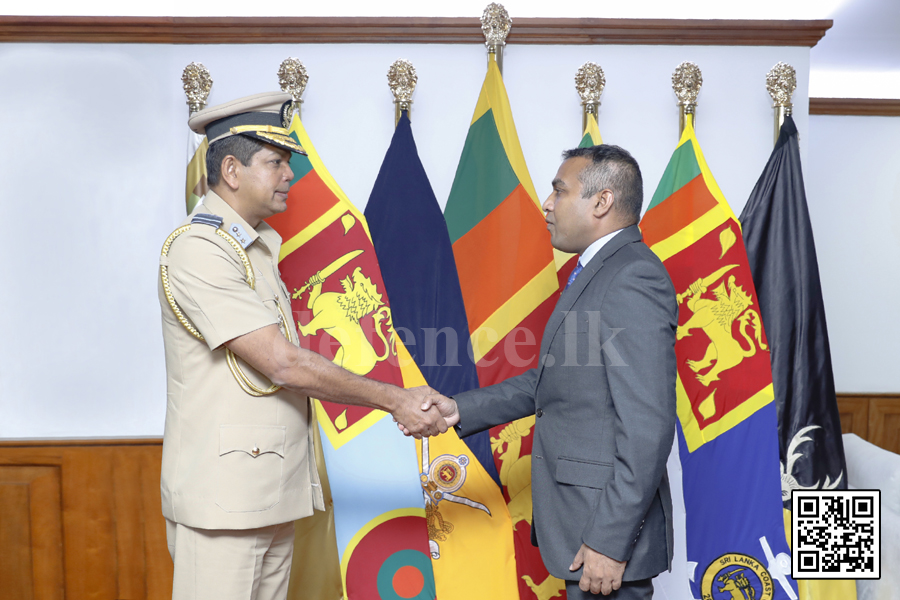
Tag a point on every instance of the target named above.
point(249, 469)
point(574, 471)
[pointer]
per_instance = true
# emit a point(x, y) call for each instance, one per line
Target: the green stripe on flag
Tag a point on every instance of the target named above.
point(587, 141)
point(483, 179)
point(300, 164)
point(681, 169)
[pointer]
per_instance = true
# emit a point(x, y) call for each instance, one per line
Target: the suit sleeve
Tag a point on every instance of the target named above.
point(641, 312)
point(496, 404)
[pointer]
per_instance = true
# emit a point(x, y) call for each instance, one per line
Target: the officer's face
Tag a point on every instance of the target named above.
point(568, 215)
point(265, 182)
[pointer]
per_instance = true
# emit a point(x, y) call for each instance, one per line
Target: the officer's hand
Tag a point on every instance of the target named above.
point(415, 420)
point(601, 575)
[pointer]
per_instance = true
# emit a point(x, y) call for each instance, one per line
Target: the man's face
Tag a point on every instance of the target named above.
point(568, 215)
point(264, 184)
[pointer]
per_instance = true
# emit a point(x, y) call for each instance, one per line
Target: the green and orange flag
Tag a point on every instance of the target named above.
point(727, 434)
point(507, 274)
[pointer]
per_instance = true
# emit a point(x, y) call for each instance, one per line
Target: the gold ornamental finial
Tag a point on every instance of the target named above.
point(686, 81)
point(292, 78)
point(781, 82)
point(589, 82)
point(402, 80)
point(197, 83)
point(495, 25)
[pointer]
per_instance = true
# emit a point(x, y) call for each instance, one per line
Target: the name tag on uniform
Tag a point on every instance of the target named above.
point(240, 235)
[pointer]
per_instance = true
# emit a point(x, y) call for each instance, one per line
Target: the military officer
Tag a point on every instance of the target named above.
point(239, 464)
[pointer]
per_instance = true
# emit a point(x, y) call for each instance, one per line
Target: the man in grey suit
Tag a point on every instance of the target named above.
point(604, 393)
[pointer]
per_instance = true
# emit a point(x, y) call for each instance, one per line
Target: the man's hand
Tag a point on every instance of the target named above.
point(433, 402)
point(414, 419)
point(601, 575)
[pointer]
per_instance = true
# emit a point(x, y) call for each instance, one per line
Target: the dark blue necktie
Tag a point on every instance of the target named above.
point(574, 274)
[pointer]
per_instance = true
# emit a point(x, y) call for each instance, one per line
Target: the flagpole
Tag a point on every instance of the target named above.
point(589, 83)
point(402, 80)
point(687, 81)
point(197, 83)
point(292, 77)
point(781, 81)
point(495, 25)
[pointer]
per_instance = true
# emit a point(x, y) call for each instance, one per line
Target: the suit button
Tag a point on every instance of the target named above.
point(255, 451)
point(539, 413)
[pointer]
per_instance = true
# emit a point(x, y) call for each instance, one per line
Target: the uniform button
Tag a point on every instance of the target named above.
point(255, 451)
point(539, 413)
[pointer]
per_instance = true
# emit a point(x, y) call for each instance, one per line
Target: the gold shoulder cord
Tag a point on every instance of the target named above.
point(239, 375)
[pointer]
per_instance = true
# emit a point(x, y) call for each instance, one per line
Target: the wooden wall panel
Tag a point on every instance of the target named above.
point(31, 551)
point(884, 422)
point(91, 522)
point(854, 411)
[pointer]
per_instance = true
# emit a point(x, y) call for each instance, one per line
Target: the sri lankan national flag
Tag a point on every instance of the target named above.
point(195, 181)
point(507, 274)
point(468, 523)
point(591, 135)
point(728, 426)
point(329, 266)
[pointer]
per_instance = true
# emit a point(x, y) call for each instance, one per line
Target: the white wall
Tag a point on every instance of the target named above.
point(853, 189)
point(92, 176)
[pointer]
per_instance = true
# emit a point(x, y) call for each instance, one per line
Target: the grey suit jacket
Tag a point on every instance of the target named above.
point(604, 398)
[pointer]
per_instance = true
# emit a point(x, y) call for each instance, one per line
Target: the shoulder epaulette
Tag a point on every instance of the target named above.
point(205, 219)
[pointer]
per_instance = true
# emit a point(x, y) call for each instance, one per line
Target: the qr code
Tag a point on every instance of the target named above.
point(836, 534)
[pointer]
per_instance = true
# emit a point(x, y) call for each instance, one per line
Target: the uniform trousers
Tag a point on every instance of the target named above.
point(230, 564)
point(642, 589)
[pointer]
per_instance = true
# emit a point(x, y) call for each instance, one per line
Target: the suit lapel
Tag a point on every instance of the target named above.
point(568, 297)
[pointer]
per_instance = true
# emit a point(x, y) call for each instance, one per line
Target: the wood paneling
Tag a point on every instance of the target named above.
point(884, 422)
point(873, 417)
point(426, 30)
point(865, 107)
point(854, 411)
point(89, 525)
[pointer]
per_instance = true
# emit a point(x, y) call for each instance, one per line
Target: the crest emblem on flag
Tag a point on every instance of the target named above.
point(737, 577)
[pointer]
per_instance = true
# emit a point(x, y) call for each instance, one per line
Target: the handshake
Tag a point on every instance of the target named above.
point(423, 412)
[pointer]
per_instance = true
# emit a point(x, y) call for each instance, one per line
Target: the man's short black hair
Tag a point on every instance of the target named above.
point(615, 169)
point(241, 147)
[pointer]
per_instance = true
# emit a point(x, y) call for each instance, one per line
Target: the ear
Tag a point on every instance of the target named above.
point(603, 203)
point(230, 172)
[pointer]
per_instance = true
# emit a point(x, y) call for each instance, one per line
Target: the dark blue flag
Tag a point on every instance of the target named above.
point(416, 257)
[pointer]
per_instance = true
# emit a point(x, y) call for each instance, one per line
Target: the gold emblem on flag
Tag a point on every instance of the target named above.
point(715, 318)
point(339, 314)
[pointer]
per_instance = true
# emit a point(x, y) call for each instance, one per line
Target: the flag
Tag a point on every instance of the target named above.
point(782, 258)
point(591, 135)
point(727, 432)
point(329, 266)
point(195, 182)
point(469, 527)
point(507, 274)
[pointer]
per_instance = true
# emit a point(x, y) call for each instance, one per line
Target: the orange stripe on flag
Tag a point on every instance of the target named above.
point(308, 199)
point(486, 275)
point(676, 212)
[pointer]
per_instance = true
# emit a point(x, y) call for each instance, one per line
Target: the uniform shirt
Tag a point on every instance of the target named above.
point(230, 460)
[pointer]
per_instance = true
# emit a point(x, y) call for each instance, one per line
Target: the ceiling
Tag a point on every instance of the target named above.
point(859, 57)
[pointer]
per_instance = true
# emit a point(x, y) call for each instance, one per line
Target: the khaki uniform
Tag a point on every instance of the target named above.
point(230, 460)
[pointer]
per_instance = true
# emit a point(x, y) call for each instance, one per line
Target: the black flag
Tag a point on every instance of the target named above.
point(782, 254)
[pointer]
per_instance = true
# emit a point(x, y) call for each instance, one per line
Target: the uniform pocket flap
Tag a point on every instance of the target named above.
point(252, 439)
point(583, 473)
